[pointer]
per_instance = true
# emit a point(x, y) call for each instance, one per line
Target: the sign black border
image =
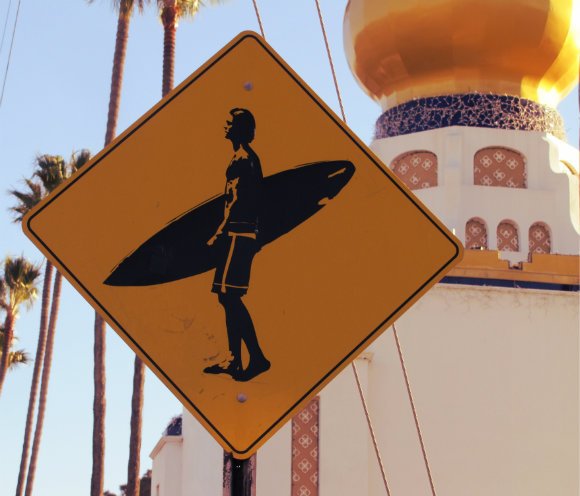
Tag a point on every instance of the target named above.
point(342, 126)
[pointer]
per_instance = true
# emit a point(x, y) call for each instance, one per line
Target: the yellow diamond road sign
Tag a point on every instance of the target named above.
point(243, 242)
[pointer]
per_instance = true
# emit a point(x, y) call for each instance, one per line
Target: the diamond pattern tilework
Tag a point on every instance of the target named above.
point(305, 450)
point(507, 237)
point(539, 238)
point(499, 167)
point(475, 234)
point(417, 169)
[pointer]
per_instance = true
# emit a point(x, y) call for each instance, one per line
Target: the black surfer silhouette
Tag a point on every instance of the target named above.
point(236, 244)
point(226, 231)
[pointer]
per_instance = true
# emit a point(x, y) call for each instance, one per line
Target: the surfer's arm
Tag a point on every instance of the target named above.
point(231, 188)
point(212, 240)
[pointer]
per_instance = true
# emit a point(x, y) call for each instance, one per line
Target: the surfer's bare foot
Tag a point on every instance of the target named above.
point(253, 370)
point(232, 369)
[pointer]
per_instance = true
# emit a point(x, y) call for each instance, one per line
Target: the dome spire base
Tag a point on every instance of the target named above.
point(472, 110)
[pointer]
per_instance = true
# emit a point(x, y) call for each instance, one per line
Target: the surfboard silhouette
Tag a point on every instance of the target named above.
point(180, 249)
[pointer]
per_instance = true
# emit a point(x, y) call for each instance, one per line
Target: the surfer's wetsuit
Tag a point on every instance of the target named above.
point(237, 244)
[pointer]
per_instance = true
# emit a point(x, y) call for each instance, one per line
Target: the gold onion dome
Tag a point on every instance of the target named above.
point(521, 55)
point(405, 49)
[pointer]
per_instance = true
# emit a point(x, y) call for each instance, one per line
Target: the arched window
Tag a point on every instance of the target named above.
point(507, 236)
point(497, 166)
point(475, 234)
point(539, 238)
point(417, 169)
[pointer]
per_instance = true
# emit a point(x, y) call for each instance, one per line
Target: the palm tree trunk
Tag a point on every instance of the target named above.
point(168, 17)
point(99, 408)
point(45, 381)
point(40, 350)
point(99, 402)
point(136, 421)
point(8, 337)
point(117, 75)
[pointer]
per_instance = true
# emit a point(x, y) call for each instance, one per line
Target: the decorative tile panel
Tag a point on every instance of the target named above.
point(475, 234)
point(417, 169)
point(499, 167)
point(507, 237)
point(305, 450)
point(539, 238)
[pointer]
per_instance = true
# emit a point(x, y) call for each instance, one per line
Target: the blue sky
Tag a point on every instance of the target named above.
point(55, 102)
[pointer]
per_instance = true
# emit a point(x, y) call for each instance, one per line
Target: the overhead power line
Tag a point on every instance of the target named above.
point(10, 53)
point(5, 24)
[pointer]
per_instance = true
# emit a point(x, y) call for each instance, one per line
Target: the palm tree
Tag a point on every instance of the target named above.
point(44, 384)
point(133, 465)
point(125, 10)
point(26, 201)
point(170, 12)
point(16, 357)
point(52, 171)
point(17, 287)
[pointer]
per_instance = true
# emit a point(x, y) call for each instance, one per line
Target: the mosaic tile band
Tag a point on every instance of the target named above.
point(470, 109)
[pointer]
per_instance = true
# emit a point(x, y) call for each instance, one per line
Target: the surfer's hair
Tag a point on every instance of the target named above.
point(245, 124)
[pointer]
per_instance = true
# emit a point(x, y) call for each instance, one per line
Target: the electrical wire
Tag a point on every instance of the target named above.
point(5, 24)
point(9, 54)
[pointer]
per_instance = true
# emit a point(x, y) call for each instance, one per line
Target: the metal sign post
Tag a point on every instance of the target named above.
point(241, 477)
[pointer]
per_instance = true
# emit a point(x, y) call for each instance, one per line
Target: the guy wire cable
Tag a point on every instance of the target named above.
point(259, 18)
point(414, 410)
point(354, 369)
point(394, 329)
point(359, 387)
point(371, 428)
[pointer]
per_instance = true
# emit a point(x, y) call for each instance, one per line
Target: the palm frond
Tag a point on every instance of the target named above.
point(78, 160)
point(18, 357)
point(3, 301)
point(187, 8)
point(20, 277)
point(27, 199)
point(127, 6)
point(51, 170)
